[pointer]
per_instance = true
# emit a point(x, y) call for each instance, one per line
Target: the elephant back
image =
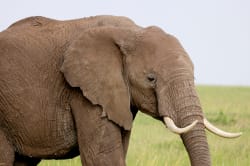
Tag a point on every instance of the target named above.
point(33, 93)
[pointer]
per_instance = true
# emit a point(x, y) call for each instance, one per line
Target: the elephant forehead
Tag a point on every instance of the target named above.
point(153, 48)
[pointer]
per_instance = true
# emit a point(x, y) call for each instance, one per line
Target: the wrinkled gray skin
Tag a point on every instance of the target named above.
point(74, 87)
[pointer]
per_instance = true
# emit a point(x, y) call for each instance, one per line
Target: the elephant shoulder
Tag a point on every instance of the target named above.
point(106, 20)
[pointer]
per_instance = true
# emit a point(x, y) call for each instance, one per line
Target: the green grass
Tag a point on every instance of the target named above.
point(153, 145)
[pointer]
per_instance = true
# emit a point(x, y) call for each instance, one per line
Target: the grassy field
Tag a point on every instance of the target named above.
point(153, 145)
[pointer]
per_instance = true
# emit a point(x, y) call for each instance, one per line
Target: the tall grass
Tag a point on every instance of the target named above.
point(152, 144)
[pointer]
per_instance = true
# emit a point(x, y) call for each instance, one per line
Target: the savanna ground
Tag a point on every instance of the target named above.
point(153, 145)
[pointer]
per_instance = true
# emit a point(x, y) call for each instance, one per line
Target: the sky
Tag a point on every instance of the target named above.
point(215, 33)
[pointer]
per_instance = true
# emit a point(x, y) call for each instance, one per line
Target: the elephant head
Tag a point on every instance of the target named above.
point(146, 68)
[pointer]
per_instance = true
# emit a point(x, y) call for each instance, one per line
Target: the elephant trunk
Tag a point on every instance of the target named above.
point(180, 102)
point(196, 145)
point(195, 140)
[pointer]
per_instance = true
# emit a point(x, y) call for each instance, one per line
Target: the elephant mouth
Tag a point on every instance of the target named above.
point(153, 115)
point(209, 126)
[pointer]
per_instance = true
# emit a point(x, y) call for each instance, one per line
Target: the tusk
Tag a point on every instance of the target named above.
point(219, 132)
point(172, 127)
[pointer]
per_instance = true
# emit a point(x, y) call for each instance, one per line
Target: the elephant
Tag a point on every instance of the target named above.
point(74, 87)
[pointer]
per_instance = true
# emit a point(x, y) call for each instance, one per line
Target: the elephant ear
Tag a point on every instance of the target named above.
point(93, 62)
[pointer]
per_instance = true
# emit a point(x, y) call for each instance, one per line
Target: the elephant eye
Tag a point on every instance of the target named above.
point(151, 78)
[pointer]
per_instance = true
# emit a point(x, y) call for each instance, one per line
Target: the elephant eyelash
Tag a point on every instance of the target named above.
point(151, 78)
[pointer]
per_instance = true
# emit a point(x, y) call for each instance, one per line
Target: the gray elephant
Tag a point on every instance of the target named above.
point(73, 87)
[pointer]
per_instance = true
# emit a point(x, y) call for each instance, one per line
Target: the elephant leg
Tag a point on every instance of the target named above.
point(25, 161)
point(99, 139)
point(6, 151)
point(126, 134)
point(125, 141)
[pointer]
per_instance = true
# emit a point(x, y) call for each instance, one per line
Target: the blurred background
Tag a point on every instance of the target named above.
point(216, 34)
